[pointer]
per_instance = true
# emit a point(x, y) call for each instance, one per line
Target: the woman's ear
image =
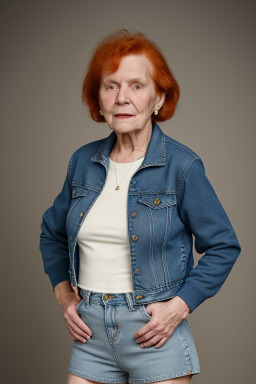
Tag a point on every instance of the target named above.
point(161, 99)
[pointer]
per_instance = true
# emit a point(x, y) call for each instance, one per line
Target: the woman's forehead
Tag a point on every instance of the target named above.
point(132, 66)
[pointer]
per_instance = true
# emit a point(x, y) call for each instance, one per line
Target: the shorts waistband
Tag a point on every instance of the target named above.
point(107, 298)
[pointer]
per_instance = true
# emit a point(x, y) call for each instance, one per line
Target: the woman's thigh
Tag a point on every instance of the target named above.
point(73, 379)
point(178, 380)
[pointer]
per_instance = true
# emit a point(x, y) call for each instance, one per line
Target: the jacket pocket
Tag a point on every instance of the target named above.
point(77, 192)
point(155, 213)
point(158, 201)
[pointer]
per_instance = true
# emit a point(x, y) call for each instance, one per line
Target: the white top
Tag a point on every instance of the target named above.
point(104, 250)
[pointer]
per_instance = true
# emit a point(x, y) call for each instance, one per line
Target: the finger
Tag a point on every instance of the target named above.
point(78, 330)
point(146, 336)
point(75, 336)
point(161, 342)
point(151, 342)
point(76, 319)
point(146, 328)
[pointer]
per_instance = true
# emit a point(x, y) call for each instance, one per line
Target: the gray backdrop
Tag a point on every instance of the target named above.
point(46, 46)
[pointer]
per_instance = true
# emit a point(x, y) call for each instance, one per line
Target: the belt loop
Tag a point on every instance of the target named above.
point(87, 298)
point(129, 301)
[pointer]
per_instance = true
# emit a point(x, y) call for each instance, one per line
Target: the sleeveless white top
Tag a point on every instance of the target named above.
point(104, 250)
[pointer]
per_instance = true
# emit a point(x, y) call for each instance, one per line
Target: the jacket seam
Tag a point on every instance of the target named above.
point(70, 167)
point(183, 147)
point(183, 177)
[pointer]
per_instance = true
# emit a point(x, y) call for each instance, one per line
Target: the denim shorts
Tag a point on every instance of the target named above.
point(112, 354)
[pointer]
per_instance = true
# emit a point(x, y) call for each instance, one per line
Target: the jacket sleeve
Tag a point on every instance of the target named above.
point(53, 237)
point(202, 212)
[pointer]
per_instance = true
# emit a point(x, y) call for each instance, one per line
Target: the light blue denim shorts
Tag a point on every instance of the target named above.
point(112, 354)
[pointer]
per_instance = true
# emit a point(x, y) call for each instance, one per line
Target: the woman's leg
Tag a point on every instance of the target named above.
point(178, 380)
point(73, 379)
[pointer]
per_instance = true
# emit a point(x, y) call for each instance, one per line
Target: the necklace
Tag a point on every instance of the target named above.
point(141, 149)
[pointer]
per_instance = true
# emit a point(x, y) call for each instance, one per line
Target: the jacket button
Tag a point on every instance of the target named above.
point(134, 237)
point(189, 372)
point(137, 271)
point(81, 214)
point(133, 214)
point(157, 201)
point(139, 297)
point(71, 237)
point(74, 192)
point(69, 254)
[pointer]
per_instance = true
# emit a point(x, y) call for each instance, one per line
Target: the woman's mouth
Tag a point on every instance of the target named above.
point(123, 116)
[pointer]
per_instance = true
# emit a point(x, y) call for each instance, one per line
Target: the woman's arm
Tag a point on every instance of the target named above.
point(53, 237)
point(202, 212)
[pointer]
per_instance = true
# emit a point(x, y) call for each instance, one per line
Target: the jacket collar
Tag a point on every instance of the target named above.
point(155, 154)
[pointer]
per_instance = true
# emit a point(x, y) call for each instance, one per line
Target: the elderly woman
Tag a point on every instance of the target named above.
point(117, 241)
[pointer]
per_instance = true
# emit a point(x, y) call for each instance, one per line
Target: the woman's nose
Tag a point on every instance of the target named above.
point(122, 96)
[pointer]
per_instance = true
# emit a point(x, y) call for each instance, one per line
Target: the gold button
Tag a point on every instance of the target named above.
point(133, 214)
point(71, 237)
point(81, 214)
point(107, 297)
point(157, 201)
point(74, 192)
point(134, 237)
point(137, 271)
point(138, 297)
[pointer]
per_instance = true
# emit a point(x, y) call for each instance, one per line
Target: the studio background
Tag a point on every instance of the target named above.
point(46, 46)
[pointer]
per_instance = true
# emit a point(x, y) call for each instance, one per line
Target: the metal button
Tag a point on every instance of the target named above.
point(69, 254)
point(133, 214)
point(107, 297)
point(189, 372)
point(157, 201)
point(137, 271)
point(71, 237)
point(134, 237)
point(81, 214)
point(74, 192)
point(138, 297)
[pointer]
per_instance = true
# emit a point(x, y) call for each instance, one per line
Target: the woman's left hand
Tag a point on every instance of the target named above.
point(166, 316)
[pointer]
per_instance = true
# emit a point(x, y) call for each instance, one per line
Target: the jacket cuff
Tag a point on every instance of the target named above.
point(191, 295)
point(57, 275)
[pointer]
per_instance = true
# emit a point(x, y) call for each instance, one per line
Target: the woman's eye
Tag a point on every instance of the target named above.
point(138, 86)
point(111, 87)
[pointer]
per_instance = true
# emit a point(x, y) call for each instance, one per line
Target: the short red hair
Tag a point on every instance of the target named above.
point(107, 56)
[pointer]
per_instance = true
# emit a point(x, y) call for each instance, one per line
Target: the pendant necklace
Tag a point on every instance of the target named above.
point(141, 149)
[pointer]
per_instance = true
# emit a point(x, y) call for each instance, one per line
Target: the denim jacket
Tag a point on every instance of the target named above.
point(169, 199)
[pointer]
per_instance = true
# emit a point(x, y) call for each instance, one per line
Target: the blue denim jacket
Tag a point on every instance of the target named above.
point(169, 199)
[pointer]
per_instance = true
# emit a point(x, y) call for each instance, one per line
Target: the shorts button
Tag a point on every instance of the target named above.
point(137, 271)
point(138, 297)
point(189, 372)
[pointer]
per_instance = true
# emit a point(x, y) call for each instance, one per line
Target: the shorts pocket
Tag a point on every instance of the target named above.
point(79, 306)
point(143, 312)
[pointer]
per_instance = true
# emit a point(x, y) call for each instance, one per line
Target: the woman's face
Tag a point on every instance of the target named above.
point(127, 97)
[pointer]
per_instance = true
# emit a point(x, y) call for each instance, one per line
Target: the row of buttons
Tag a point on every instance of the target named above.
point(107, 297)
point(134, 238)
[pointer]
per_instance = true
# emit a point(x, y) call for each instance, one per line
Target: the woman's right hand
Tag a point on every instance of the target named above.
point(78, 330)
